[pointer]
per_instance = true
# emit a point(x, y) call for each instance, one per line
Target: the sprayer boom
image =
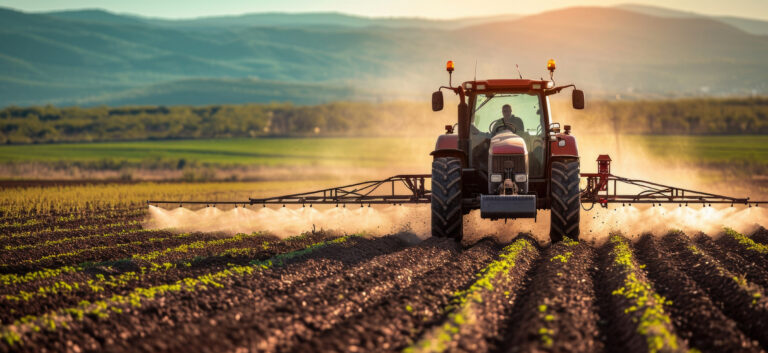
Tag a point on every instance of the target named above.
point(398, 189)
point(602, 188)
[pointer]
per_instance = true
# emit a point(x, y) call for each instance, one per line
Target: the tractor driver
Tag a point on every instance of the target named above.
point(508, 120)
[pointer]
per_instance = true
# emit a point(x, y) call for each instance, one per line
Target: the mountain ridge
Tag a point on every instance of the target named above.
point(609, 51)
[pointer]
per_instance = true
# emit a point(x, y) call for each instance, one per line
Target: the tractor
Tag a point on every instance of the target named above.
point(508, 158)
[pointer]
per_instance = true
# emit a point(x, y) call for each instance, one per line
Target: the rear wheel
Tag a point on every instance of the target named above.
point(446, 198)
point(566, 202)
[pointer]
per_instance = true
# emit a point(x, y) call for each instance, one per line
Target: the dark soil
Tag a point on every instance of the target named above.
point(740, 304)
point(760, 236)
point(694, 314)
point(381, 294)
point(561, 300)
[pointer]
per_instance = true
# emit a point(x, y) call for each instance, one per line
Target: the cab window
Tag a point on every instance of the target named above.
point(489, 109)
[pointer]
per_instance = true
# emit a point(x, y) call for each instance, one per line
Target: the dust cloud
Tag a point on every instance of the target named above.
point(632, 221)
point(285, 222)
point(595, 225)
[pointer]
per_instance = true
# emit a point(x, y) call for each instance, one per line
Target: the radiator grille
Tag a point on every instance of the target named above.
point(500, 163)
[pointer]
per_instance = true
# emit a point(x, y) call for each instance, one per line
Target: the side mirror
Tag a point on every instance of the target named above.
point(578, 99)
point(437, 101)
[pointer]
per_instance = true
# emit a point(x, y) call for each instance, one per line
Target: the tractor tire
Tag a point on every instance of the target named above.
point(566, 201)
point(446, 199)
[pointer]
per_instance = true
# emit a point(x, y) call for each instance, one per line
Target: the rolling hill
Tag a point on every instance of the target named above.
point(96, 57)
point(753, 26)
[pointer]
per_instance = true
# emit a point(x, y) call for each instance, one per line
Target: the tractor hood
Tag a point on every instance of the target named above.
point(507, 143)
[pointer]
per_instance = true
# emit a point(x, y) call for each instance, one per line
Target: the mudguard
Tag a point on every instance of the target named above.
point(564, 146)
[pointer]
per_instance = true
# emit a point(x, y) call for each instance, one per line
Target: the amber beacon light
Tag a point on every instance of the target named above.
point(449, 66)
point(551, 65)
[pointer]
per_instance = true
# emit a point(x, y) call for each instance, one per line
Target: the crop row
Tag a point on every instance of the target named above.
point(332, 287)
point(59, 254)
point(559, 306)
point(466, 326)
point(33, 225)
point(732, 258)
point(641, 323)
point(117, 304)
point(75, 216)
point(753, 251)
point(736, 296)
point(55, 233)
point(397, 321)
point(94, 198)
point(696, 317)
point(73, 288)
point(189, 253)
point(147, 266)
point(123, 229)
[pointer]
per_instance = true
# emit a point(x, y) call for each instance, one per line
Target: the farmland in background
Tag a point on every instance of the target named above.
point(349, 140)
point(306, 158)
point(49, 124)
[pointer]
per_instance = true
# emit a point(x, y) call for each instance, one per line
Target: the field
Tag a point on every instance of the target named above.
point(298, 158)
point(296, 152)
point(81, 269)
point(95, 279)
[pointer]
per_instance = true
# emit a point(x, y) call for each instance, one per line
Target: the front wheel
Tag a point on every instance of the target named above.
point(446, 198)
point(566, 200)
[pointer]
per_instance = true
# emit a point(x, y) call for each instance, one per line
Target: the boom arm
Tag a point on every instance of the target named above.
point(602, 188)
point(385, 191)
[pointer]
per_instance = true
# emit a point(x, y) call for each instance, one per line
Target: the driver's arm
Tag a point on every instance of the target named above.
point(518, 124)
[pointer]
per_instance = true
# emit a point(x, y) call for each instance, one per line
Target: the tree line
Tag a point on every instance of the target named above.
point(50, 124)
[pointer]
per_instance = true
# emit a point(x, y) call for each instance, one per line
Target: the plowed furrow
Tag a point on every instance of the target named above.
point(37, 251)
point(733, 261)
point(478, 316)
point(116, 324)
point(737, 298)
point(27, 239)
point(760, 236)
point(395, 322)
point(92, 284)
point(68, 256)
point(278, 325)
point(238, 246)
point(693, 313)
point(558, 312)
point(744, 246)
point(636, 319)
point(41, 225)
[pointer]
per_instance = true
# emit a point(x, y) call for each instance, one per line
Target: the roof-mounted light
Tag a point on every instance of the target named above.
point(449, 66)
point(551, 67)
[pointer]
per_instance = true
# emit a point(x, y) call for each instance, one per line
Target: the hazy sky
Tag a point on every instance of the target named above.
point(417, 8)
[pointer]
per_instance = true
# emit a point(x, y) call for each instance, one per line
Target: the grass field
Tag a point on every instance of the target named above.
point(738, 154)
point(748, 149)
point(364, 152)
point(372, 152)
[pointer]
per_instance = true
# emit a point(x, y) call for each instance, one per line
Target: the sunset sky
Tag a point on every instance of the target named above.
point(410, 8)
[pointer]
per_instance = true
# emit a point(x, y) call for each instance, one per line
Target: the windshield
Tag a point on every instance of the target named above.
point(490, 107)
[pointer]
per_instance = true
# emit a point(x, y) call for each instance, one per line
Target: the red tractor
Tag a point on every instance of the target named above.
point(509, 158)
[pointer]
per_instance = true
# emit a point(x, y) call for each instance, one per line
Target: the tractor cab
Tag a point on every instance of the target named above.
point(506, 145)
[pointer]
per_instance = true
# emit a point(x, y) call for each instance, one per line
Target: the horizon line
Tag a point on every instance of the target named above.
point(404, 17)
